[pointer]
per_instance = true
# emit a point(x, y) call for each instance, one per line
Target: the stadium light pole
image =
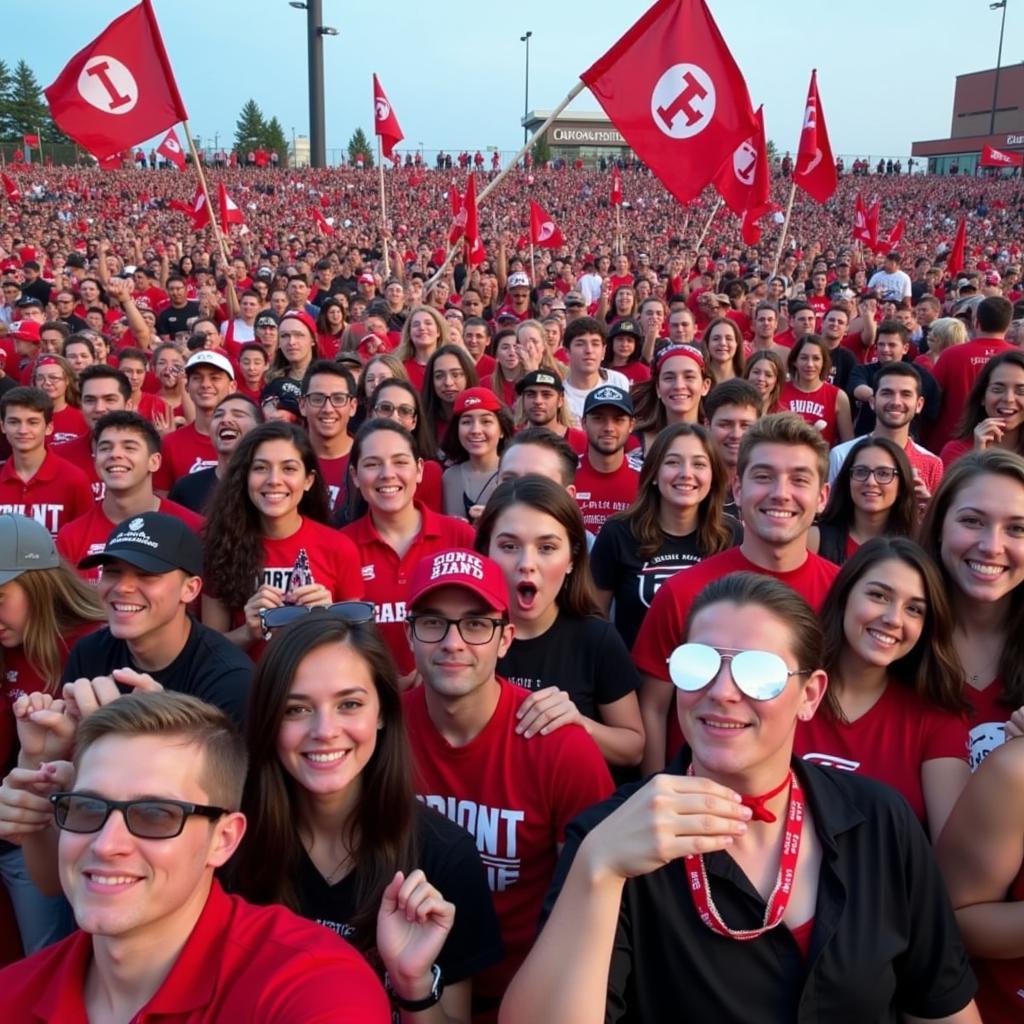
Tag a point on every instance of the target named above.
point(999, 60)
point(526, 95)
point(316, 32)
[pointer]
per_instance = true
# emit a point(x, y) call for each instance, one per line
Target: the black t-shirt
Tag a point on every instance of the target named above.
point(583, 656)
point(448, 857)
point(634, 581)
point(175, 321)
point(74, 322)
point(37, 289)
point(194, 490)
point(843, 362)
point(209, 667)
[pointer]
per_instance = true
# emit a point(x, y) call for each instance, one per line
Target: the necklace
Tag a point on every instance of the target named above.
point(700, 888)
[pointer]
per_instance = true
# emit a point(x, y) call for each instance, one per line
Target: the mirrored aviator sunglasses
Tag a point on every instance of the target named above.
point(355, 613)
point(759, 675)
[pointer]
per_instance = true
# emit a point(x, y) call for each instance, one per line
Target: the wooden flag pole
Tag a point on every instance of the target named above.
point(197, 163)
point(383, 209)
point(618, 228)
point(707, 226)
point(532, 280)
point(493, 184)
point(785, 228)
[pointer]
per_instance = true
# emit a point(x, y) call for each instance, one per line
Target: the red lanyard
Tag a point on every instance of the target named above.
point(700, 890)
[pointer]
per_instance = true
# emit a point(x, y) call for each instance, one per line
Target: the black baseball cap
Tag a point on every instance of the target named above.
point(266, 320)
point(626, 326)
point(287, 392)
point(608, 394)
point(153, 542)
point(540, 379)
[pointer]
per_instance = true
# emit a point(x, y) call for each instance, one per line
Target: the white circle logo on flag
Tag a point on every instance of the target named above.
point(683, 101)
point(383, 108)
point(547, 229)
point(106, 84)
point(744, 162)
point(172, 145)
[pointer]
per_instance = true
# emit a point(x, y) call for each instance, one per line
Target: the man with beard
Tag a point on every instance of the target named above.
point(543, 397)
point(606, 481)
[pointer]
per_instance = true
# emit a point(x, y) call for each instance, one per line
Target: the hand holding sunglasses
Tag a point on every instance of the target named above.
point(355, 613)
point(759, 675)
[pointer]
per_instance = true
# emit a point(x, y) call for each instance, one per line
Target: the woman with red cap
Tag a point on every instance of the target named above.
point(297, 346)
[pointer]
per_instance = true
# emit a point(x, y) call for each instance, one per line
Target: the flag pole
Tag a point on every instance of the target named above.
point(532, 281)
point(197, 163)
point(707, 226)
point(383, 209)
point(618, 228)
point(493, 184)
point(785, 228)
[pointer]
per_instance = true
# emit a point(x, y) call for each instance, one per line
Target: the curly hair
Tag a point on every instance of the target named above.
point(233, 535)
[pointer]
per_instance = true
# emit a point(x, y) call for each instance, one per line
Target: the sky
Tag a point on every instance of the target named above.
point(454, 71)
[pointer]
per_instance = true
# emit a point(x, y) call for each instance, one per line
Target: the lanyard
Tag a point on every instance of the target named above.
point(700, 890)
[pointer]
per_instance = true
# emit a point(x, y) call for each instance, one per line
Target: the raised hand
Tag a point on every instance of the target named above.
point(84, 696)
point(46, 732)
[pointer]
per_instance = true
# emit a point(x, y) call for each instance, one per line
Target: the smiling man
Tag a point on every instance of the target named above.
point(585, 344)
point(606, 481)
point(151, 814)
point(780, 486)
point(327, 404)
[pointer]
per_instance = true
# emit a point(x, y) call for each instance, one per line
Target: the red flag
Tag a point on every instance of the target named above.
point(324, 225)
point(544, 233)
point(955, 260)
point(118, 90)
point(734, 179)
point(199, 211)
point(861, 232)
point(873, 225)
point(13, 194)
point(616, 187)
point(113, 162)
point(385, 124)
point(31, 141)
point(991, 157)
point(815, 170)
point(896, 234)
point(671, 87)
point(229, 211)
point(458, 226)
point(170, 149)
point(474, 246)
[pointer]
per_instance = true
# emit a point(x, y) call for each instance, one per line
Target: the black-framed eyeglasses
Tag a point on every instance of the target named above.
point(355, 613)
point(475, 630)
point(147, 818)
point(389, 409)
point(317, 399)
point(883, 474)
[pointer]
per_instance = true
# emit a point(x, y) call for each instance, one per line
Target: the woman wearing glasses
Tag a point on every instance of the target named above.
point(743, 884)
point(336, 832)
point(54, 376)
point(397, 529)
point(894, 709)
point(268, 544)
point(873, 496)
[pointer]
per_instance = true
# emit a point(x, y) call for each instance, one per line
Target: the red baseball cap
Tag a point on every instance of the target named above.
point(24, 330)
point(459, 567)
point(476, 398)
point(304, 318)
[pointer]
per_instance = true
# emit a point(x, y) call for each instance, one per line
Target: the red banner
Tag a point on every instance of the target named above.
point(992, 157)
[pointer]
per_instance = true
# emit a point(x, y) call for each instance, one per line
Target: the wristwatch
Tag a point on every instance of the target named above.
point(415, 1005)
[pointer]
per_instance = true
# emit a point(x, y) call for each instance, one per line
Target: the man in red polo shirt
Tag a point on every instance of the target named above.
point(209, 377)
point(34, 481)
point(515, 795)
point(781, 485)
point(151, 814)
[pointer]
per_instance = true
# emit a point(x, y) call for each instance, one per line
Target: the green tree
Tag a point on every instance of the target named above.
point(27, 110)
point(773, 152)
point(275, 142)
point(541, 151)
point(6, 82)
point(250, 129)
point(357, 145)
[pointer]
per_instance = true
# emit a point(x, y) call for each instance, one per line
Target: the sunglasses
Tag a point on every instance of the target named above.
point(145, 819)
point(759, 675)
point(355, 613)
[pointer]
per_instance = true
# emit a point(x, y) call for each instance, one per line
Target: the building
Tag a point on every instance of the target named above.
point(299, 151)
point(972, 119)
point(582, 136)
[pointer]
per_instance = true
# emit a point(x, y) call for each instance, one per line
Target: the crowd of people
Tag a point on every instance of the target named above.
point(384, 640)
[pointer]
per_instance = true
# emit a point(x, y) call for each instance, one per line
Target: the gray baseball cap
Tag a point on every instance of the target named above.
point(25, 545)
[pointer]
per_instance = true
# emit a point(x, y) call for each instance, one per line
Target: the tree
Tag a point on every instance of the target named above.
point(250, 129)
point(275, 142)
point(541, 152)
point(359, 146)
point(27, 110)
point(773, 152)
point(6, 82)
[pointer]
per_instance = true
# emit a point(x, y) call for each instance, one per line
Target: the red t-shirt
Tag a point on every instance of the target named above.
point(955, 373)
point(58, 493)
point(68, 424)
point(635, 372)
point(240, 963)
point(785, 338)
point(79, 453)
point(430, 490)
point(814, 407)
point(821, 304)
point(505, 390)
point(578, 442)
point(386, 575)
point(185, 451)
point(485, 365)
point(889, 742)
point(662, 630)
point(149, 405)
point(333, 560)
point(516, 797)
point(953, 450)
point(333, 473)
point(601, 495)
point(417, 372)
point(988, 719)
point(87, 535)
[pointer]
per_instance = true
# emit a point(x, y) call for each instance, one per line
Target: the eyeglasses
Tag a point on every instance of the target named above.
point(317, 399)
point(883, 474)
point(759, 675)
point(389, 409)
point(145, 819)
point(475, 630)
point(355, 613)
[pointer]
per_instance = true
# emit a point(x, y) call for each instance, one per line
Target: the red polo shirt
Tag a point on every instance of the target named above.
point(58, 493)
point(386, 575)
point(262, 965)
point(79, 453)
point(185, 451)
